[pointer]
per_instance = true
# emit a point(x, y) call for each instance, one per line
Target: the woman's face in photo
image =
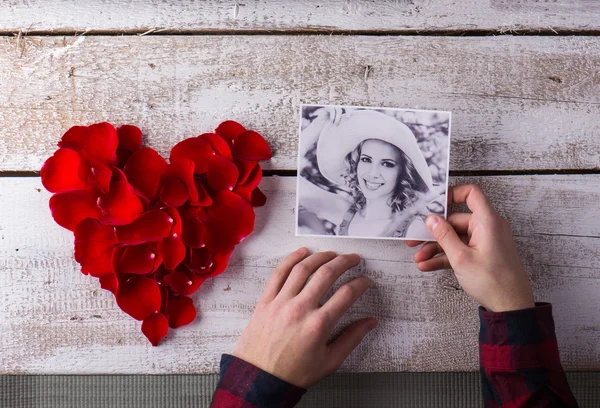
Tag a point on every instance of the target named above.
point(378, 168)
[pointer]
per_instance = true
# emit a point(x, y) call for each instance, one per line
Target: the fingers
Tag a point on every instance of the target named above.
point(281, 273)
point(344, 298)
point(350, 338)
point(434, 264)
point(460, 222)
point(413, 244)
point(446, 236)
point(474, 197)
point(327, 274)
point(428, 251)
point(431, 249)
point(302, 271)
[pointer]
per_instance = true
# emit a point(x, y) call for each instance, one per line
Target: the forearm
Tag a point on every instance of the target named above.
point(520, 364)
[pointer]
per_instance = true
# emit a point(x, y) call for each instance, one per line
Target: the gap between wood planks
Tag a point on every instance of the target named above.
point(157, 31)
point(456, 173)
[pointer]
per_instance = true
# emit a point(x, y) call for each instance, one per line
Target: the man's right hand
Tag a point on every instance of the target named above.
point(479, 247)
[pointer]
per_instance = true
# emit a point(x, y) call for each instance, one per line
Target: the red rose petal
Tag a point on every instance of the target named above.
point(173, 192)
point(195, 149)
point(172, 249)
point(152, 226)
point(99, 174)
point(155, 327)
point(220, 261)
point(159, 275)
point(229, 130)
point(99, 141)
point(144, 170)
point(228, 221)
point(71, 207)
point(183, 169)
point(245, 168)
point(251, 146)
point(130, 137)
point(245, 190)
point(193, 230)
point(139, 297)
point(218, 144)
point(181, 311)
point(120, 204)
point(64, 171)
point(135, 259)
point(164, 297)
point(74, 138)
point(94, 244)
point(204, 199)
point(222, 174)
point(183, 282)
point(109, 282)
point(130, 140)
point(258, 198)
point(200, 260)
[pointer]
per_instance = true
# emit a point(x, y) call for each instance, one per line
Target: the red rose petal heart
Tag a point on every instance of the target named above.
point(153, 232)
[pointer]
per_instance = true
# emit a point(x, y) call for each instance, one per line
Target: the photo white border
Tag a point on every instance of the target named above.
point(302, 105)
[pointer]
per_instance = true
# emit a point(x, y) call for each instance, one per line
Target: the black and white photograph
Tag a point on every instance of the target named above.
point(371, 172)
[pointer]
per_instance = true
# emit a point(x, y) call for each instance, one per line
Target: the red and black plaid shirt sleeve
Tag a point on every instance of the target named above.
point(242, 385)
point(520, 365)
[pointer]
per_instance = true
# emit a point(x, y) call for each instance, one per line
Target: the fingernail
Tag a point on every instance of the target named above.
point(432, 221)
point(301, 251)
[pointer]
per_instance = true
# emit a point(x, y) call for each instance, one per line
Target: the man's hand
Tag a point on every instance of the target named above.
point(479, 247)
point(288, 333)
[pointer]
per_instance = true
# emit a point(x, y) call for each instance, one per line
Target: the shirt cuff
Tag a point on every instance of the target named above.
point(242, 381)
point(519, 339)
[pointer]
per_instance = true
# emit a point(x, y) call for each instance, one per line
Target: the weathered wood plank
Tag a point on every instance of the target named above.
point(519, 103)
point(314, 15)
point(55, 320)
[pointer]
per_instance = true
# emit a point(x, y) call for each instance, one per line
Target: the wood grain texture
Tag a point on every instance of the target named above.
point(421, 16)
point(55, 320)
point(519, 103)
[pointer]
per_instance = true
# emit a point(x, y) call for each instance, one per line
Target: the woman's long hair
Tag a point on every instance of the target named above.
point(408, 184)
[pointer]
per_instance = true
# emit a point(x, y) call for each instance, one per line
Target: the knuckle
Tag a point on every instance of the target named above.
point(292, 314)
point(319, 324)
point(348, 291)
point(326, 271)
point(300, 269)
point(441, 232)
point(461, 257)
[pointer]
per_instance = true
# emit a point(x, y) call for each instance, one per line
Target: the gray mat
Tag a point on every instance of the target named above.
point(340, 390)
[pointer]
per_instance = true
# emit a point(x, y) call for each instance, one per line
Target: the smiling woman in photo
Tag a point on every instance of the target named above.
point(382, 181)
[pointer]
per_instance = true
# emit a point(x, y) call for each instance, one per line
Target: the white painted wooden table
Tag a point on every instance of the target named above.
point(526, 127)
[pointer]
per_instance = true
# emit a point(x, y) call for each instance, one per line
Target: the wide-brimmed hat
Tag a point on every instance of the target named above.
point(337, 140)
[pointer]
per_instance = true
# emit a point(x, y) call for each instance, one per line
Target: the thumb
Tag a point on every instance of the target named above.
point(350, 338)
point(445, 235)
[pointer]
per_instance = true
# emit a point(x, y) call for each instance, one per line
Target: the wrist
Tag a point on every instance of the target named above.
point(509, 306)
